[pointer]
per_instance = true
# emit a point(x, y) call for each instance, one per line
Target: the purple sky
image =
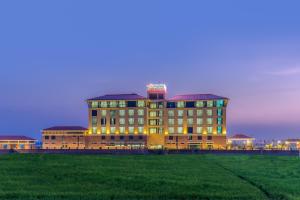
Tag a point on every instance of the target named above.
point(56, 54)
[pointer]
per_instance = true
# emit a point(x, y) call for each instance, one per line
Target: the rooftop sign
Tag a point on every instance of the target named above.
point(156, 88)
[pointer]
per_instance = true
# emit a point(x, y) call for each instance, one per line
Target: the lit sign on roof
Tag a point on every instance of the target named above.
point(156, 87)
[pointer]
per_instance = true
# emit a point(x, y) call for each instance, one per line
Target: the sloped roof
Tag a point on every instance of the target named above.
point(196, 97)
point(15, 137)
point(132, 96)
point(66, 128)
point(240, 136)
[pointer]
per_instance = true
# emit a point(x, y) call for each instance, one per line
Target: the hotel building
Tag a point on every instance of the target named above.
point(128, 121)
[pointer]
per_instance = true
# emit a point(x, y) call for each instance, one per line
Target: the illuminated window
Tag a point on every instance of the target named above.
point(220, 121)
point(94, 121)
point(209, 112)
point(209, 120)
point(94, 130)
point(180, 104)
point(199, 121)
point(122, 130)
point(180, 121)
point(103, 104)
point(103, 130)
point(152, 130)
point(112, 104)
point(140, 121)
point(113, 113)
point(199, 130)
point(122, 113)
point(131, 130)
point(131, 121)
point(112, 121)
point(180, 113)
point(112, 129)
point(190, 121)
point(152, 113)
point(171, 130)
point(171, 113)
point(122, 104)
point(199, 113)
point(199, 104)
point(103, 113)
point(219, 129)
point(180, 130)
point(220, 112)
point(190, 113)
point(209, 130)
point(171, 121)
point(220, 103)
point(140, 112)
point(141, 103)
point(95, 104)
point(122, 121)
point(153, 122)
point(130, 112)
point(153, 105)
point(140, 130)
point(210, 103)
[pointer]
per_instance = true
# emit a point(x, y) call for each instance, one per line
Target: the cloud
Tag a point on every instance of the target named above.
point(285, 72)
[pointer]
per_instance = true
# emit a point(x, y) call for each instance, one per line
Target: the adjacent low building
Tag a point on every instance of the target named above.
point(292, 144)
point(240, 142)
point(16, 142)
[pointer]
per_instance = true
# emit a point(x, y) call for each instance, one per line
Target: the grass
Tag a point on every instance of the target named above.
point(149, 177)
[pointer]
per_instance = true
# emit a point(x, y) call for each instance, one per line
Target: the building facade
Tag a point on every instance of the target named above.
point(16, 142)
point(132, 121)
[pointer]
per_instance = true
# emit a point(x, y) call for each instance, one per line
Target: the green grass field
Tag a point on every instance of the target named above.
point(149, 177)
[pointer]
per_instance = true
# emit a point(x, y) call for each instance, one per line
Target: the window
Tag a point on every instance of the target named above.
point(220, 121)
point(103, 130)
point(94, 113)
point(199, 130)
point(190, 130)
point(180, 113)
point(180, 121)
point(152, 130)
point(131, 121)
point(199, 121)
point(210, 103)
point(153, 114)
point(209, 121)
point(94, 130)
point(199, 113)
point(46, 137)
point(190, 104)
point(131, 130)
point(130, 137)
point(199, 104)
point(220, 112)
point(112, 129)
point(171, 121)
point(94, 121)
point(112, 121)
point(140, 112)
point(153, 122)
point(141, 103)
point(190, 113)
point(122, 113)
point(103, 113)
point(141, 137)
point(103, 121)
point(171, 130)
point(95, 104)
point(209, 112)
point(112, 104)
point(219, 129)
point(122, 104)
point(103, 104)
point(209, 137)
point(53, 137)
point(190, 121)
point(180, 130)
point(140, 129)
point(122, 121)
point(199, 138)
point(112, 137)
point(209, 130)
point(171, 113)
point(190, 137)
point(171, 105)
point(122, 130)
point(170, 137)
point(153, 105)
point(141, 121)
point(220, 103)
point(112, 113)
point(121, 137)
point(103, 137)
point(131, 112)
point(131, 104)
point(180, 104)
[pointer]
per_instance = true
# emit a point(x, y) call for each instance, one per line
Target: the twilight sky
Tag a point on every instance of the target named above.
point(55, 54)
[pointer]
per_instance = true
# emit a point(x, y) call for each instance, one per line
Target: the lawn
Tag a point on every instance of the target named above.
point(149, 177)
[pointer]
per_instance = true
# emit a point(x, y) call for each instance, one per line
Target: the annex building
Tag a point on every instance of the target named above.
point(132, 121)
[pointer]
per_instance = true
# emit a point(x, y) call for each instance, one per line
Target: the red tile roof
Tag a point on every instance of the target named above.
point(240, 136)
point(66, 128)
point(132, 96)
point(15, 137)
point(196, 97)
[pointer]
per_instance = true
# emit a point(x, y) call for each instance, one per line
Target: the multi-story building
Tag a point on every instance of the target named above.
point(129, 121)
point(16, 142)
